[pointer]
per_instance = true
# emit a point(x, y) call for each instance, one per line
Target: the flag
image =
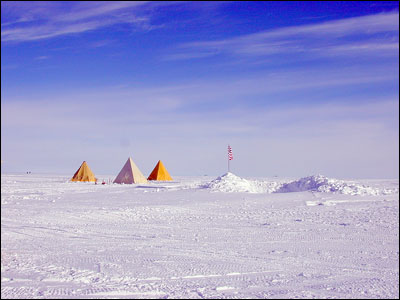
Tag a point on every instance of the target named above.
point(230, 155)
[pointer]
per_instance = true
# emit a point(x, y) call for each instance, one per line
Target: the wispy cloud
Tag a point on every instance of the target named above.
point(375, 33)
point(102, 43)
point(156, 115)
point(230, 97)
point(29, 21)
point(43, 57)
point(266, 83)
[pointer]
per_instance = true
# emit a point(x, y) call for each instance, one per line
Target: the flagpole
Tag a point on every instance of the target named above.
point(229, 166)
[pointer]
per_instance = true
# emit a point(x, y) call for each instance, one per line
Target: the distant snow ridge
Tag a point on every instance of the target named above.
point(232, 183)
point(321, 183)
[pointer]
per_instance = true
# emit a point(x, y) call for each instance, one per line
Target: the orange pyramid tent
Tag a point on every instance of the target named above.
point(159, 173)
point(130, 173)
point(84, 174)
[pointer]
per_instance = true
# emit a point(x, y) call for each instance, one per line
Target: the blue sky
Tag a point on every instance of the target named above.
point(296, 88)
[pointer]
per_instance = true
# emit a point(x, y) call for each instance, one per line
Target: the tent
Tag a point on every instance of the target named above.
point(159, 173)
point(84, 174)
point(130, 173)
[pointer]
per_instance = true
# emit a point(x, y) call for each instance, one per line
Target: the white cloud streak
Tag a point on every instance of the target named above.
point(377, 33)
point(43, 20)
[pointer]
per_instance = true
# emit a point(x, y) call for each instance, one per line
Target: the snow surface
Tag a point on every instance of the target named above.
point(199, 237)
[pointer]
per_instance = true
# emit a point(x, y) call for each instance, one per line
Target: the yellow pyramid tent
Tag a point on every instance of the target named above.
point(130, 173)
point(159, 173)
point(84, 174)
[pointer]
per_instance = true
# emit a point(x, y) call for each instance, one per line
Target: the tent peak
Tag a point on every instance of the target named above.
point(159, 173)
point(130, 173)
point(84, 173)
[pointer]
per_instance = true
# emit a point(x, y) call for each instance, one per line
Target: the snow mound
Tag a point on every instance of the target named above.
point(319, 183)
point(229, 182)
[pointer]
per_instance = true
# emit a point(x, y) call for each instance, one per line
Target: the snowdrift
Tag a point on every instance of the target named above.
point(317, 183)
point(232, 183)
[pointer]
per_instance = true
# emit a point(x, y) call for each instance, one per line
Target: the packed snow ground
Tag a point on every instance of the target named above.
point(199, 237)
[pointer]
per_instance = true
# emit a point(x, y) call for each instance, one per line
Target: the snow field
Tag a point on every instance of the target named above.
point(183, 239)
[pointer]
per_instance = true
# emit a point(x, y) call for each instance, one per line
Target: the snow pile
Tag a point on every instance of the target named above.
point(229, 182)
point(319, 183)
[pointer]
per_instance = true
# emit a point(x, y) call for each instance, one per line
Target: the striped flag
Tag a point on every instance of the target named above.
point(230, 155)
